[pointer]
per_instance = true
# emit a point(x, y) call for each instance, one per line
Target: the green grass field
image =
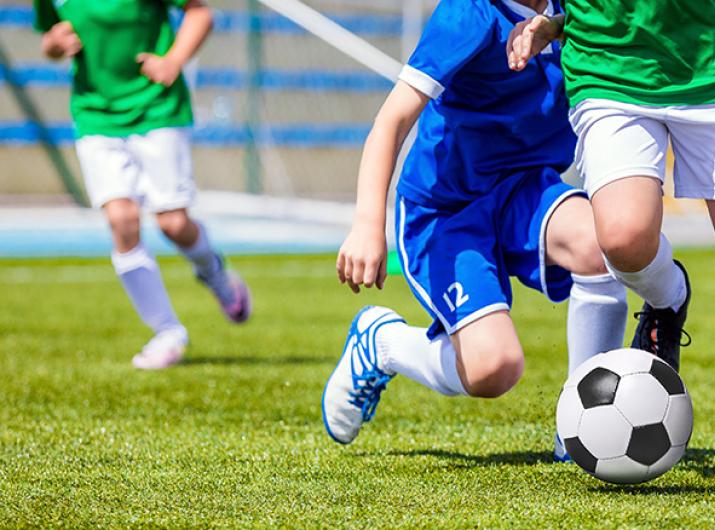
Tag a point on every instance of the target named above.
point(233, 437)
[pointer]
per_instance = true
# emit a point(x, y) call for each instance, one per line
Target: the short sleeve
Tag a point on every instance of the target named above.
point(45, 15)
point(456, 32)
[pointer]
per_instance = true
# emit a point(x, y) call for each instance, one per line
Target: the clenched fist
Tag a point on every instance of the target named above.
point(162, 70)
point(61, 41)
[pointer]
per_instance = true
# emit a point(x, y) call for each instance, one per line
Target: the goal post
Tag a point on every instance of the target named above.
point(336, 35)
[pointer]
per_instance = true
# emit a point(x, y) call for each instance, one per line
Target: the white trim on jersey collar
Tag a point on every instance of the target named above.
point(527, 12)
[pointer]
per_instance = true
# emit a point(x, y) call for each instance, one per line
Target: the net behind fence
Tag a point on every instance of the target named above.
point(278, 111)
point(280, 116)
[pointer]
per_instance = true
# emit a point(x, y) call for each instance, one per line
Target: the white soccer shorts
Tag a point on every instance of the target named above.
point(619, 140)
point(153, 168)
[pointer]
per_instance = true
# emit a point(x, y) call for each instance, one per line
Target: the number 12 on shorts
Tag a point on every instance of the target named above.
point(454, 297)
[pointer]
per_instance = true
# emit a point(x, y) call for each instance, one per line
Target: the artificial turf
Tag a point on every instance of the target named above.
point(233, 437)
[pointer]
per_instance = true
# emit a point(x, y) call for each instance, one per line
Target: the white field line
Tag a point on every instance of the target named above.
point(210, 204)
point(66, 274)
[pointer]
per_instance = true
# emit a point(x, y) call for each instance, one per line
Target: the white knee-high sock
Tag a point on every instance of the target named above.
point(202, 254)
point(408, 351)
point(661, 283)
point(596, 318)
point(140, 276)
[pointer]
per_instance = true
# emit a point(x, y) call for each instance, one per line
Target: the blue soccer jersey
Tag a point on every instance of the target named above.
point(484, 121)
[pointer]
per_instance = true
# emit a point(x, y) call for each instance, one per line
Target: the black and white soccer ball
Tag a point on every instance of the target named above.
point(625, 416)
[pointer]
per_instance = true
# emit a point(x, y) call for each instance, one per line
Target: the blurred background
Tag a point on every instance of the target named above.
point(280, 118)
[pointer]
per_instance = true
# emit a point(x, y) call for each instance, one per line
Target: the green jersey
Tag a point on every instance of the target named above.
point(649, 52)
point(109, 94)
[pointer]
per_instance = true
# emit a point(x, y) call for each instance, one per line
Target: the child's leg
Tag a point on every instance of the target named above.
point(137, 269)
point(192, 241)
point(711, 209)
point(483, 359)
point(451, 262)
point(167, 185)
point(629, 215)
point(621, 153)
point(597, 305)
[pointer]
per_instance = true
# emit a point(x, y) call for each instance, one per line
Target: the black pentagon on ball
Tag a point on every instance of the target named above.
point(667, 377)
point(648, 444)
point(580, 454)
point(598, 388)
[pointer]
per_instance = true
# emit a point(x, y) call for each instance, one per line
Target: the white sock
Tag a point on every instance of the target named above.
point(661, 283)
point(408, 351)
point(597, 317)
point(202, 254)
point(142, 281)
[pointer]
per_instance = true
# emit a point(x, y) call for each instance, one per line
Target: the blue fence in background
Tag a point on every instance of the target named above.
point(300, 135)
point(240, 22)
point(50, 75)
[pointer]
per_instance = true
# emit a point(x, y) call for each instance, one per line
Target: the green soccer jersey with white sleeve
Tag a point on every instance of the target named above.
point(648, 52)
point(109, 94)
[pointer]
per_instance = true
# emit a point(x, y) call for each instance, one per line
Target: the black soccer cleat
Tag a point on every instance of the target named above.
point(660, 331)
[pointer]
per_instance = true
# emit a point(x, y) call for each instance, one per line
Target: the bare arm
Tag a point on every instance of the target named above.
point(60, 42)
point(194, 29)
point(362, 257)
point(530, 37)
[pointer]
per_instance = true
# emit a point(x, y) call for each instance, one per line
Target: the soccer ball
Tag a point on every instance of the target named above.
point(625, 416)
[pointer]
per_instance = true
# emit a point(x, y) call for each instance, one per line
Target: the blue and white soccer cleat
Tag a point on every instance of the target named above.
point(560, 452)
point(353, 390)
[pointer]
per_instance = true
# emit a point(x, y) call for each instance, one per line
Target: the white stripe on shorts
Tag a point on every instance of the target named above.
point(476, 315)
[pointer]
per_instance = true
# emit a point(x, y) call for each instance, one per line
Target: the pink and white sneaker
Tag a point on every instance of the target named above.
point(164, 350)
point(231, 292)
point(240, 309)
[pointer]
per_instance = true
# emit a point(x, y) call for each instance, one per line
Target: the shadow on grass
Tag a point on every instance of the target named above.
point(697, 459)
point(243, 360)
point(517, 458)
point(647, 489)
point(700, 460)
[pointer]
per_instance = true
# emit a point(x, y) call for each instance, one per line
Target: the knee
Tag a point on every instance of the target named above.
point(490, 376)
point(628, 244)
point(124, 220)
point(174, 224)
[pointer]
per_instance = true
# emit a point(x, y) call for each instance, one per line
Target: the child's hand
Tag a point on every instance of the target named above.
point(362, 259)
point(61, 41)
point(162, 70)
point(529, 38)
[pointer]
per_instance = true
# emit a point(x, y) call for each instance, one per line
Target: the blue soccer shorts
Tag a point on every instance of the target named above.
point(458, 261)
